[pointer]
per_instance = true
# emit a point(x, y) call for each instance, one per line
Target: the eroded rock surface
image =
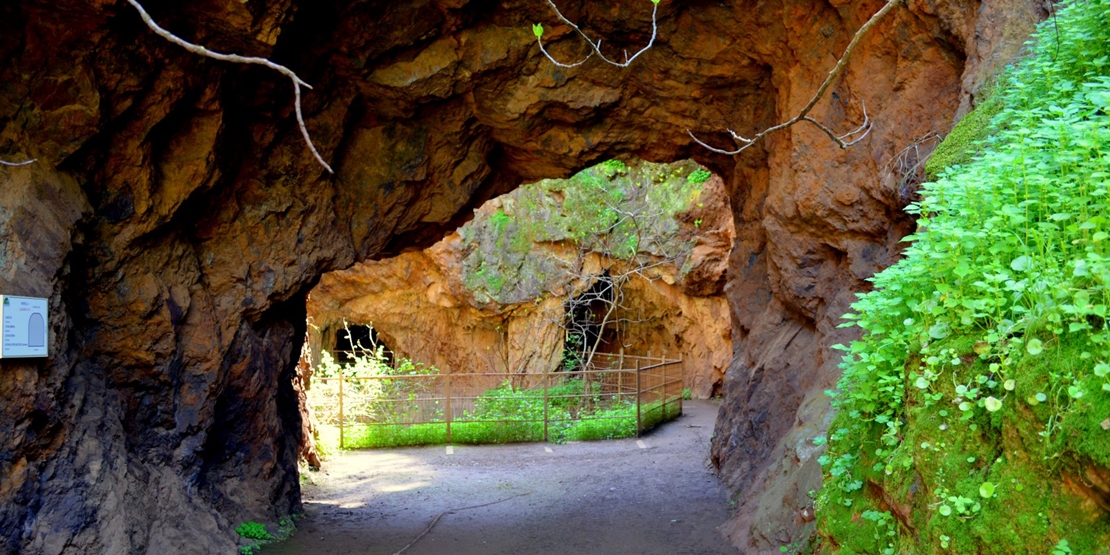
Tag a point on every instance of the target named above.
point(176, 221)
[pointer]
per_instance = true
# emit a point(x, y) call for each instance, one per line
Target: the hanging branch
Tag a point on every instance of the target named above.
point(235, 58)
point(17, 164)
point(537, 29)
point(844, 141)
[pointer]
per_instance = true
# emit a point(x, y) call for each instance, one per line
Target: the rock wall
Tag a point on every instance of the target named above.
point(176, 221)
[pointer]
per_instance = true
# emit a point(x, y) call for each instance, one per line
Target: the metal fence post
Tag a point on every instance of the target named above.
point(620, 375)
point(663, 417)
point(639, 420)
point(620, 382)
point(546, 374)
point(447, 377)
point(340, 407)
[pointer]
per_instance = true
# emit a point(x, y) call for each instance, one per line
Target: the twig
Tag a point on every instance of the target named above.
point(595, 46)
point(844, 141)
point(18, 164)
point(235, 58)
point(450, 511)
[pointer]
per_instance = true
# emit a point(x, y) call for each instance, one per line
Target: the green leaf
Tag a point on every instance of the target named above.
point(921, 383)
point(1102, 369)
point(1041, 397)
point(1100, 99)
point(986, 490)
point(992, 404)
point(1034, 346)
point(1021, 263)
point(938, 330)
point(537, 29)
point(656, 2)
point(1009, 385)
point(944, 510)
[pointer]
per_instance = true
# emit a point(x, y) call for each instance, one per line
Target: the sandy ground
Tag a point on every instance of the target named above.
point(653, 496)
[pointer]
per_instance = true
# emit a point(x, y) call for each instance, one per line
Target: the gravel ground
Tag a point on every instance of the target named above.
point(652, 496)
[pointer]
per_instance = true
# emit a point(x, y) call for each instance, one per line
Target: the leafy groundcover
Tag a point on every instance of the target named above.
point(974, 413)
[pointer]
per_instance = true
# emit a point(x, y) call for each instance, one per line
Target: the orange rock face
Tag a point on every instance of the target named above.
point(176, 221)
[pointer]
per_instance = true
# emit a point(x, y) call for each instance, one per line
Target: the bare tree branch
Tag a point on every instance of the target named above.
point(595, 46)
point(844, 141)
point(17, 164)
point(602, 299)
point(235, 58)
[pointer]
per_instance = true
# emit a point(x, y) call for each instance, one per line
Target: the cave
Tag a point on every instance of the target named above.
point(175, 220)
point(513, 289)
point(354, 339)
point(584, 315)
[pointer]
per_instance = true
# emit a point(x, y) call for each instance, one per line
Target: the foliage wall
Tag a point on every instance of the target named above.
point(974, 414)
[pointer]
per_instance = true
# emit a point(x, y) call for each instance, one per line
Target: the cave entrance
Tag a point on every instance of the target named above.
point(590, 325)
point(554, 280)
point(619, 267)
point(358, 340)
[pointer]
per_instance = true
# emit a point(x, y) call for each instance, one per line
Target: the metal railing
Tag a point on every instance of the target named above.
point(616, 396)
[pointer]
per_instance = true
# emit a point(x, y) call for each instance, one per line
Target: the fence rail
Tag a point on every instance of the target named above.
point(617, 396)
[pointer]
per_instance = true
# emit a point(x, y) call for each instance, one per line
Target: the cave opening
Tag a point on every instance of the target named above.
point(624, 257)
point(627, 257)
point(586, 326)
point(355, 340)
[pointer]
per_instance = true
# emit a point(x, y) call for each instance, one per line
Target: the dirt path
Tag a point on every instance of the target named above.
point(604, 498)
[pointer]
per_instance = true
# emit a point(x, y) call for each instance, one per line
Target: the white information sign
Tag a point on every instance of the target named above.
point(25, 327)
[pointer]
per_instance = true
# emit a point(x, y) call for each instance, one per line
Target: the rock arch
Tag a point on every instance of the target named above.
point(180, 222)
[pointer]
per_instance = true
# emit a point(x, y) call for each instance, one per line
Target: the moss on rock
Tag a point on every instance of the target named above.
point(962, 143)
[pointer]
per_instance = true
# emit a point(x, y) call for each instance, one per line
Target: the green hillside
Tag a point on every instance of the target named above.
point(974, 413)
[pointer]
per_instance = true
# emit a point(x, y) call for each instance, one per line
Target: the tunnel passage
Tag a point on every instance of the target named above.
point(175, 206)
point(552, 261)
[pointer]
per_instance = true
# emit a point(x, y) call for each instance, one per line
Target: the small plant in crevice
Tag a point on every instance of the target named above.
point(1061, 548)
point(699, 176)
point(253, 531)
point(260, 536)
